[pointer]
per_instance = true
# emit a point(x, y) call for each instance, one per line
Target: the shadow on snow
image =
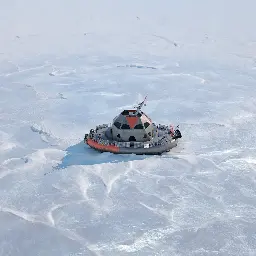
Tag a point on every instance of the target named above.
point(81, 154)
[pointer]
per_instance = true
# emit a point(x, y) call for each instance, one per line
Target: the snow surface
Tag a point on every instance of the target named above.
point(66, 66)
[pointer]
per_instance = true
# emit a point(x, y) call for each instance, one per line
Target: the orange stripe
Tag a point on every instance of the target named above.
point(96, 145)
point(132, 120)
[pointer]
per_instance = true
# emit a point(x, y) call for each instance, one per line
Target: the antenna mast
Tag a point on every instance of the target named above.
point(140, 105)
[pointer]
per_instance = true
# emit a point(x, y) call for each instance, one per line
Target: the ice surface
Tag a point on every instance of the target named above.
point(66, 66)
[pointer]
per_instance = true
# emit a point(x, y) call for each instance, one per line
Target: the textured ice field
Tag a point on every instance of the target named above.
point(66, 67)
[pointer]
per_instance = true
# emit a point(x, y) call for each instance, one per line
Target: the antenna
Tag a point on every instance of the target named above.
point(140, 105)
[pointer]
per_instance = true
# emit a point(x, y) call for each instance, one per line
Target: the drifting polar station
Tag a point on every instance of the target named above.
point(133, 132)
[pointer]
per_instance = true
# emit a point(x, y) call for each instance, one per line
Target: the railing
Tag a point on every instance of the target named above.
point(163, 140)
